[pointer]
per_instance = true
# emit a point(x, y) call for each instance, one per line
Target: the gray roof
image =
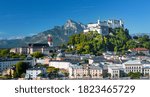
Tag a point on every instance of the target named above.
point(133, 62)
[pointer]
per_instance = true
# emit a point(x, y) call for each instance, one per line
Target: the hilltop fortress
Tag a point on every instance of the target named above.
point(102, 27)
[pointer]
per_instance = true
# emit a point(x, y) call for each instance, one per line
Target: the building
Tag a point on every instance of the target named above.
point(19, 50)
point(133, 66)
point(115, 23)
point(85, 71)
point(14, 50)
point(50, 40)
point(135, 51)
point(38, 47)
point(43, 60)
point(34, 73)
point(60, 56)
point(102, 27)
point(60, 64)
point(44, 48)
point(146, 68)
point(146, 71)
point(115, 70)
point(6, 64)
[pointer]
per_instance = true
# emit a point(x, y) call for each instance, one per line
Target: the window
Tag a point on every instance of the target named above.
point(139, 67)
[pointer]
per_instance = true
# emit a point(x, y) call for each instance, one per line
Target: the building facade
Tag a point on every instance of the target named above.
point(5, 64)
point(85, 72)
point(133, 66)
point(102, 27)
point(19, 50)
point(60, 64)
point(34, 73)
point(135, 51)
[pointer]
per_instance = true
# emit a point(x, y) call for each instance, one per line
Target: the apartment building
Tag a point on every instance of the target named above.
point(85, 71)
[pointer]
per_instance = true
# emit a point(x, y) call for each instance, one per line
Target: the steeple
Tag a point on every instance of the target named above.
point(50, 41)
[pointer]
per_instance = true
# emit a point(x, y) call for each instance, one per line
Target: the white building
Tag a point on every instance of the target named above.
point(102, 27)
point(115, 23)
point(114, 71)
point(44, 60)
point(60, 64)
point(133, 66)
point(146, 69)
point(33, 73)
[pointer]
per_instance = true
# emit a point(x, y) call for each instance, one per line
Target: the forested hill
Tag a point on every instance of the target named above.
point(118, 40)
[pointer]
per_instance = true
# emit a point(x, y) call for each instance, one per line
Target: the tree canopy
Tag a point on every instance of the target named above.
point(37, 54)
point(21, 68)
point(118, 41)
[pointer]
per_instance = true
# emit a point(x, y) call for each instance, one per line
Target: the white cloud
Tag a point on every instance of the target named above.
point(15, 37)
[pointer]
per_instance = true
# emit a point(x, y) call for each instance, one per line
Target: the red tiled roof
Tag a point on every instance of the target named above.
point(139, 49)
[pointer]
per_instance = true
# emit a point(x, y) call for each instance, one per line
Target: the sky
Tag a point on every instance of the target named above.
point(19, 18)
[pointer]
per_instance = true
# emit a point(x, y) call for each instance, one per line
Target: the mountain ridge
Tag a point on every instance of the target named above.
point(60, 35)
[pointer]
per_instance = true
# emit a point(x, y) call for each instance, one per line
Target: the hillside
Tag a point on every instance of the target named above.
point(118, 41)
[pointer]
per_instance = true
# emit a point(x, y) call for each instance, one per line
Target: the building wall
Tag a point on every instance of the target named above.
point(43, 61)
point(78, 72)
point(34, 73)
point(115, 23)
point(6, 64)
point(61, 65)
point(103, 27)
point(20, 50)
point(115, 73)
point(146, 72)
point(43, 50)
point(133, 68)
point(23, 50)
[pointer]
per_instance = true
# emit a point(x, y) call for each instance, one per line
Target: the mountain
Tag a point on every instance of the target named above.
point(140, 34)
point(60, 35)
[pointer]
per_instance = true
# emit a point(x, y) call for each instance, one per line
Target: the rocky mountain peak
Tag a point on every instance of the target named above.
point(70, 24)
point(60, 35)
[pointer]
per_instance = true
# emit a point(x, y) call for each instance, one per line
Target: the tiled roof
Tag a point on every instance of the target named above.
point(139, 49)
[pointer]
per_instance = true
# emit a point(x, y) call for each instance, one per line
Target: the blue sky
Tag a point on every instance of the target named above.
point(28, 17)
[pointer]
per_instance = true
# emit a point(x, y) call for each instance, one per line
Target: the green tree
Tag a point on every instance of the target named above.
point(37, 54)
point(135, 75)
point(21, 68)
point(4, 52)
point(53, 72)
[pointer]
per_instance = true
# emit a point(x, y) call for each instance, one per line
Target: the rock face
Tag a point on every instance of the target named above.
point(60, 35)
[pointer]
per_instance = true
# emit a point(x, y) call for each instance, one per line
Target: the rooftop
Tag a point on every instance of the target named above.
point(38, 45)
point(139, 49)
point(133, 62)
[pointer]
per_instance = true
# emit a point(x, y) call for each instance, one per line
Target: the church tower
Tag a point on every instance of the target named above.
point(50, 40)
